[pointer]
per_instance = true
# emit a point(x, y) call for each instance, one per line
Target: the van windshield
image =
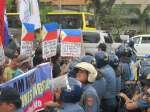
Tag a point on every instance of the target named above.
point(91, 37)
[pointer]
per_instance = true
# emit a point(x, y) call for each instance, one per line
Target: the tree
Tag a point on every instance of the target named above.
point(11, 6)
point(102, 8)
point(44, 9)
point(142, 17)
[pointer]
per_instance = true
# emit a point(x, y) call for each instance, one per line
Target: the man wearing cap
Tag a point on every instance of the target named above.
point(9, 100)
point(24, 64)
point(143, 102)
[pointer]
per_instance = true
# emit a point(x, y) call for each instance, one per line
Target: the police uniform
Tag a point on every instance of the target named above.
point(109, 99)
point(71, 107)
point(100, 86)
point(90, 94)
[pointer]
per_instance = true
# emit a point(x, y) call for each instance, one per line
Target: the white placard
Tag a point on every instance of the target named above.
point(2, 56)
point(70, 49)
point(49, 48)
point(26, 48)
point(59, 82)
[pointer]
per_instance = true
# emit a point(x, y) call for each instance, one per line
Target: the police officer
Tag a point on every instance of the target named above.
point(131, 45)
point(102, 47)
point(100, 83)
point(67, 99)
point(114, 63)
point(109, 99)
point(86, 74)
point(124, 53)
point(89, 59)
point(9, 100)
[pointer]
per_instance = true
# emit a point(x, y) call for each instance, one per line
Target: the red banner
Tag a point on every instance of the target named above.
point(2, 9)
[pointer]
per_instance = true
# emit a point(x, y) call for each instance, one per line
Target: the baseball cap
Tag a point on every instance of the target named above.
point(23, 59)
point(9, 94)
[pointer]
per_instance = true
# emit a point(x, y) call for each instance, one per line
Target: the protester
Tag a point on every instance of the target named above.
point(2, 79)
point(142, 101)
point(23, 66)
point(38, 59)
point(56, 66)
point(67, 98)
point(10, 70)
point(9, 100)
point(86, 74)
point(109, 99)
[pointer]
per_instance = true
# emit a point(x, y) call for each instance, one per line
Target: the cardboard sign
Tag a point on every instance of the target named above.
point(70, 49)
point(49, 48)
point(26, 48)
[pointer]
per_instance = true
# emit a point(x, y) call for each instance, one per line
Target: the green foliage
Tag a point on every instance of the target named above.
point(11, 6)
point(44, 9)
point(102, 9)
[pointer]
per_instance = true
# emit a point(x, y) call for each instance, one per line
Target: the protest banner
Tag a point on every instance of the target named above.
point(70, 42)
point(2, 9)
point(29, 12)
point(49, 44)
point(27, 39)
point(34, 87)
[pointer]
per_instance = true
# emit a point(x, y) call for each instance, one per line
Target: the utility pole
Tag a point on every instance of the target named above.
point(60, 5)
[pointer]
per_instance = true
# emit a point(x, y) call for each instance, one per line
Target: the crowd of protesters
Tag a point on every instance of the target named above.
point(103, 82)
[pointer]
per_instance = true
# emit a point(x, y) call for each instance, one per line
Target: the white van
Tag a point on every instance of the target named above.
point(91, 40)
point(142, 44)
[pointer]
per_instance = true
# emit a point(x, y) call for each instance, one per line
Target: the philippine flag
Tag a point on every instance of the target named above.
point(70, 35)
point(27, 32)
point(50, 31)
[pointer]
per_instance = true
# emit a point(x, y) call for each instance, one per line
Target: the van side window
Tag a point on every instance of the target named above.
point(145, 39)
point(136, 40)
point(91, 37)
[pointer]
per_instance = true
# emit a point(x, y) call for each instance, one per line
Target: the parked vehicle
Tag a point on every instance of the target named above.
point(142, 44)
point(91, 40)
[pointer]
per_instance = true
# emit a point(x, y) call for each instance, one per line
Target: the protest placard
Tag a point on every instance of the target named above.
point(27, 39)
point(26, 48)
point(34, 87)
point(70, 42)
point(71, 49)
point(49, 44)
point(49, 48)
